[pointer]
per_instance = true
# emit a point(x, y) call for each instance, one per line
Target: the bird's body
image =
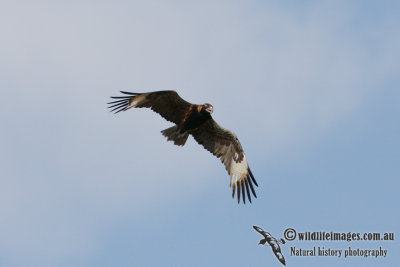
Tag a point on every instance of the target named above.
point(195, 120)
point(196, 116)
point(273, 242)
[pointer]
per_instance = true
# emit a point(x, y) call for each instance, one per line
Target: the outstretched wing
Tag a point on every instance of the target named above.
point(278, 253)
point(166, 103)
point(225, 145)
point(258, 229)
point(261, 231)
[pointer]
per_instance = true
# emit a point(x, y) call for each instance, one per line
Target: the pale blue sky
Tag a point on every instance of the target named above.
point(310, 88)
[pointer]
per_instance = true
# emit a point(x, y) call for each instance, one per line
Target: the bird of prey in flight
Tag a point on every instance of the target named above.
point(195, 120)
point(268, 238)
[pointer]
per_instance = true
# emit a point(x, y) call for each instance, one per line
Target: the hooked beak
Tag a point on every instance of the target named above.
point(209, 110)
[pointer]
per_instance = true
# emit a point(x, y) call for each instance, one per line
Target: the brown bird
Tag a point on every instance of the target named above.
point(195, 120)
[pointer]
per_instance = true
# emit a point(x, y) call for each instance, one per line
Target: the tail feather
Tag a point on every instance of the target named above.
point(174, 134)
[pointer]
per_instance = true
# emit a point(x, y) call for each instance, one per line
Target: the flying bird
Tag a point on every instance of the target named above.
point(195, 120)
point(268, 238)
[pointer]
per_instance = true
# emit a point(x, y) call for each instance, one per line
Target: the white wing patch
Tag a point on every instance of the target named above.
point(238, 170)
point(137, 100)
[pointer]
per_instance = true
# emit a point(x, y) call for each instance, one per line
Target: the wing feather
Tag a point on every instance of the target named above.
point(258, 229)
point(225, 145)
point(243, 191)
point(166, 103)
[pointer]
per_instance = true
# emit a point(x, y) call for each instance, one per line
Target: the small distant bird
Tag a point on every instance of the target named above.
point(195, 120)
point(268, 238)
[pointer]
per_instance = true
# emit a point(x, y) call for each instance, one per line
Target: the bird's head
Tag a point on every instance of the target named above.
point(207, 108)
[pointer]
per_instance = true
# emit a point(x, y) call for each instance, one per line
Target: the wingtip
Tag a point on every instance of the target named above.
point(129, 93)
point(247, 190)
point(238, 192)
point(242, 189)
point(252, 187)
point(252, 177)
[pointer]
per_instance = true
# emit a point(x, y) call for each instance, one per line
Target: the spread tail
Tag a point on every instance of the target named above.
point(174, 134)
